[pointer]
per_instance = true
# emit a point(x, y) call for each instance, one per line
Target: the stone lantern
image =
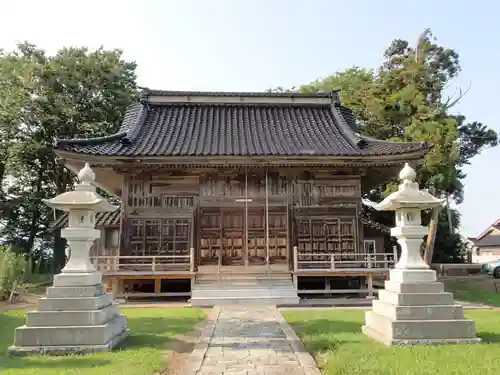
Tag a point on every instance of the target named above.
point(413, 308)
point(76, 315)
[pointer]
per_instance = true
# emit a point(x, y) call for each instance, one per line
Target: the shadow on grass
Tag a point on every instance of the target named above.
point(145, 332)
point(489, 337)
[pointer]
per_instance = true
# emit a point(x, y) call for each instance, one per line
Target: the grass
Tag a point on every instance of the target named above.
point(143, 353)
point(478, 290)
point(334, 337)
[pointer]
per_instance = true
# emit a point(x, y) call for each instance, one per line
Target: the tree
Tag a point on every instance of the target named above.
point(404, 99)
point(75, 93)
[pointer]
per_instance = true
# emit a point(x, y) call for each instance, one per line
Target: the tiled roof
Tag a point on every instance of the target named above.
point(230, 127)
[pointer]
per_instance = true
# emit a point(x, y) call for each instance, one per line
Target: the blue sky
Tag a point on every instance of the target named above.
point(252, 45)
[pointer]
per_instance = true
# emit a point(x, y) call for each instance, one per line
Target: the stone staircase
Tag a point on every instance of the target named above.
point(243, 286)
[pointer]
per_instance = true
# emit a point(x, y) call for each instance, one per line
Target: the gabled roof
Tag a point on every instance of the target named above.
point(165, 123)
point(488, 238)
point(491, 228)
point(488, 241)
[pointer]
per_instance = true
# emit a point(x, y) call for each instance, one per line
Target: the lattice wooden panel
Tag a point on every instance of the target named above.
point(159, 237)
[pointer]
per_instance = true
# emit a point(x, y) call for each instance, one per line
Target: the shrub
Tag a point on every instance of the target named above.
point(13, 269)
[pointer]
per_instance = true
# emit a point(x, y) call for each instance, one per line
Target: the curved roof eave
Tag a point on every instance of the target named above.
point(58, 142)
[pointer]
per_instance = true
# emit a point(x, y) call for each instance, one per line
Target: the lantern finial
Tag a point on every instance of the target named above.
point(407, 173)
point(86, 175)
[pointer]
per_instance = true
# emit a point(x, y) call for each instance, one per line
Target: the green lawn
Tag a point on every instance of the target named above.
point(143, 353)
point(335, 338)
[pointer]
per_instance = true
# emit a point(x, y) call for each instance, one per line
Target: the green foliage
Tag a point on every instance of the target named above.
point(75, 93)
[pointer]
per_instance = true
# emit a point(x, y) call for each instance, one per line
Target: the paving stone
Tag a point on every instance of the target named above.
point(249, 341)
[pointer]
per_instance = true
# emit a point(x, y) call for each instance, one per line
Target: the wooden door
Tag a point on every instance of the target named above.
point(233, 237)
point(224, 231)
point(222, 236)
point(277, 235)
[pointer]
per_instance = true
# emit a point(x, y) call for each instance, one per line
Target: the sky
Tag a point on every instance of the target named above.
point(253, 45)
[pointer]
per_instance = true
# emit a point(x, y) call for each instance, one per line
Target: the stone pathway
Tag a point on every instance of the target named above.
point(249, 341)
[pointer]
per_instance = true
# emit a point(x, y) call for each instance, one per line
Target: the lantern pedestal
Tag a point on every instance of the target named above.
point(76, 315)
point(414, 309)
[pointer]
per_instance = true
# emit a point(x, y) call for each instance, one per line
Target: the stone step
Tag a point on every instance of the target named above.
point(77, 279)
point(429, 287)
point(69, 335)
point(420, 329)
point(415, 299)
point(224, 301)
point(412, 275)
point(243, 293)
point(229, 276)
point(72, 318)
point(74, 304)
point(74, 291)
point(435, 312)
point(244, 283)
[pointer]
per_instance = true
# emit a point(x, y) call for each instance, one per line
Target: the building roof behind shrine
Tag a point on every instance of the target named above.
point(168, 123)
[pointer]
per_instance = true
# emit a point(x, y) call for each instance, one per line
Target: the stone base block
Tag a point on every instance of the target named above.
point(78, 279)
point(398, 342)
point(68, 349)
point(75, 291)
point(430, 287)
point(74, 304)
point(415, 299)
point(72, 318)
point(453, 329)
point(412, 276)
point(66, 336)
point(435, 312)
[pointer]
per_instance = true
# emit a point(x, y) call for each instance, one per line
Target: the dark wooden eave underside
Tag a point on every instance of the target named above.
point(221, 161)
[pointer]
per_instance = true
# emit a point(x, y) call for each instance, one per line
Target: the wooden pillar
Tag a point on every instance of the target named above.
point(157, 285)
point(369, 281)
point(114, 285)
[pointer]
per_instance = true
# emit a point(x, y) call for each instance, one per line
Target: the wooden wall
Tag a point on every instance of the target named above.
point(169, 211)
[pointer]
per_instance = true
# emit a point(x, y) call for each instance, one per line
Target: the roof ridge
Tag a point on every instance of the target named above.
point(147, 92)
point(126, 134)
point(88, 141)
point(140, 110)
point(344, 127)
point(372, 139)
